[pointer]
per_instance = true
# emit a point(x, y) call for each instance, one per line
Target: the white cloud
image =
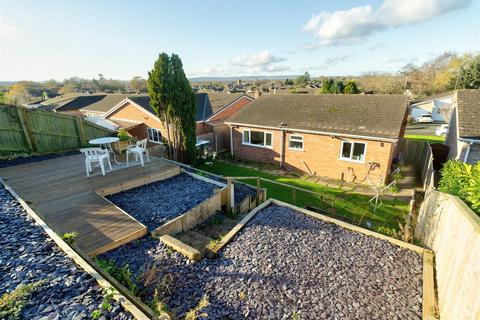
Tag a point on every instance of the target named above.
point(9, 31)
point(354, 25)
point(338, 59)
point(262, 62)
point(263, 58)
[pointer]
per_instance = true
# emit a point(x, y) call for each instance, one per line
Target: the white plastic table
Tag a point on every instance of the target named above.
point(107, 143)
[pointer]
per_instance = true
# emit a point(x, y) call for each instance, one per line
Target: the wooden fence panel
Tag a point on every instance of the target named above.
point(41, 131)
point(53, 133)
point(12, 138)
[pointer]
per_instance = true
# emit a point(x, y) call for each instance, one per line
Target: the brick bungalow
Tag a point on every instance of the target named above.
point(347, 137)
point(224, 105)
point(132, 113)
point(463, 136)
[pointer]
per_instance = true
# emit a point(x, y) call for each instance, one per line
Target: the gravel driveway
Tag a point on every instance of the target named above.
point(28, 255)
point(156, 203)
point(286, 265)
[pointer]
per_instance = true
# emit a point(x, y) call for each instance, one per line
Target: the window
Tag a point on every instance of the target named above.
point(353, 151)
point(154, 135)
point(257, 138)
point(295, 142)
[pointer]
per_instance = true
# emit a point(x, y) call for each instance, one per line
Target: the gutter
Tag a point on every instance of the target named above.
point(470, 142)
point(316, 132)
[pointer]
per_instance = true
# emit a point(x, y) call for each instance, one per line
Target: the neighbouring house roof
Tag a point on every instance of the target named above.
point(204, 108)
point(102, 103)
point(220, 100)
point(60, 100)
point(379, 116)
point(468, 111)
point(432, 97)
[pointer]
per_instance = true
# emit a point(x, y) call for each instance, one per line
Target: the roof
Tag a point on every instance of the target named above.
point(379, 116)
point(220, 100)
point(204, 108)
point(468, 105)
point(102, 103)
point(61, 100)
point(432, 97)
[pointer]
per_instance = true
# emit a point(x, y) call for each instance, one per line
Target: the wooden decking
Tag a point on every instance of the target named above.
point(59, 192)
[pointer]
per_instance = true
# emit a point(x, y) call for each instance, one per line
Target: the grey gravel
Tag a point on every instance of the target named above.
point(158, 202)
point(28, 255)
point(284, 264)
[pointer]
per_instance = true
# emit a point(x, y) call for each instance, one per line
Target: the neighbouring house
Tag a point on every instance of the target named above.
point(224, 105)
point(130, 112)
point(347, 137)
point(463, 136)
point(438, 106)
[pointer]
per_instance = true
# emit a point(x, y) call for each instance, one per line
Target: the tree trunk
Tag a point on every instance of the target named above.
point(169, 147)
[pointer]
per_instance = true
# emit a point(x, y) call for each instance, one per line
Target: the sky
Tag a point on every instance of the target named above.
point(41, 40)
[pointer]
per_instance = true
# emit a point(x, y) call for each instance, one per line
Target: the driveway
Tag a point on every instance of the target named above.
point(427, 129)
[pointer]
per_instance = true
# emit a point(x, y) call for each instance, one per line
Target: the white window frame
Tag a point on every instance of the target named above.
point(296, 138)
point(351, 152)
point(257, 145)
point(159, 133)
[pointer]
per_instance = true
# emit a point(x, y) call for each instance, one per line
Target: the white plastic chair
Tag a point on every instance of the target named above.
point(139, 149)
point(96, 155)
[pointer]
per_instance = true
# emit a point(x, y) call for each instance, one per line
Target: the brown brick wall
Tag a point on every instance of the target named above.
point(231, 110)
point(133, 113)
point(202, 128)
point(321, 155)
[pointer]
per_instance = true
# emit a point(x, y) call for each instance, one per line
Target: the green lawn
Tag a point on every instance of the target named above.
point(352, 206)
point(429, 139)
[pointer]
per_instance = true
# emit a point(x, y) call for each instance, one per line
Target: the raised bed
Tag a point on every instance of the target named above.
point(159, 202)
point(285, 262)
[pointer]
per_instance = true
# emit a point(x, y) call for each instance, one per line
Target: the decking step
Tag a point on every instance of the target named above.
point(195, 240)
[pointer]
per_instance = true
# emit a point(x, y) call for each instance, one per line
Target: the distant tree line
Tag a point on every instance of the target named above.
point(445, 72)
point(27, 91)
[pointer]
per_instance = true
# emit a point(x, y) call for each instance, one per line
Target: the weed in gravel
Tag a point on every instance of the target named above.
point(96, 314)
point(106, 304)
point(12, 303)
point(295, 315)
point(242, 295)
point(121, 274)
point(70, 237)
point(196, 313)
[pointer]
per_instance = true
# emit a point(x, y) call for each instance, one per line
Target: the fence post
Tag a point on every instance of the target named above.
point(26, 127)
point(258, 191)
point(294, 195)
point(230, 195)
point(81, 132)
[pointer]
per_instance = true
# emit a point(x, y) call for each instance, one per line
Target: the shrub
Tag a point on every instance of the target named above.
point(462, 180)
point(123, 135)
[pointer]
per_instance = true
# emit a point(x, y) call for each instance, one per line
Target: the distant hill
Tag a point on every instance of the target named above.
point(6, 83)
point(243, 78)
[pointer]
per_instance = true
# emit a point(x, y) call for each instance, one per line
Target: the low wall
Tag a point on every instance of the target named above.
point(193, 217)
point(452, 231)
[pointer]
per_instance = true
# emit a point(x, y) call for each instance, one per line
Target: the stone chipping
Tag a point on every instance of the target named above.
point(287, 265)
point(28, 255)
point(158, 202)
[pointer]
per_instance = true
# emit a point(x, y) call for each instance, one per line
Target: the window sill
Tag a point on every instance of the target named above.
point(296, 149)
point(156, 142)
point(257, 146)
point(351, 160)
